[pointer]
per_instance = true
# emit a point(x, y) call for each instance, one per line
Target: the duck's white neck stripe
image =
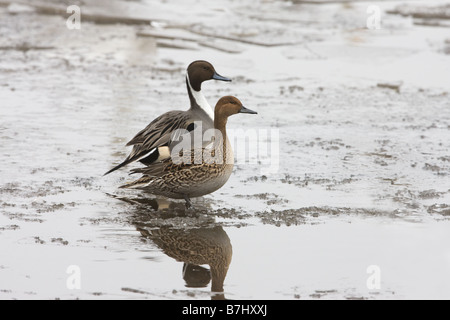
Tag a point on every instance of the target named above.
point(201, 100)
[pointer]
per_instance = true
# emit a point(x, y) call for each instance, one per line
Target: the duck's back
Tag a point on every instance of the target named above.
point(193, 180)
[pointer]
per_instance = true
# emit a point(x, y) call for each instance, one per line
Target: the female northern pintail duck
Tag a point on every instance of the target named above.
point(188, 177)
point(197, 246)
point(154, 142)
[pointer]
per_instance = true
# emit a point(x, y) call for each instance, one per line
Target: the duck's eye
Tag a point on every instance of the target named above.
point(206, 68)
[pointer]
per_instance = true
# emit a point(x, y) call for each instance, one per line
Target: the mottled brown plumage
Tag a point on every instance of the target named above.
point(196, 246)
point(194, 178)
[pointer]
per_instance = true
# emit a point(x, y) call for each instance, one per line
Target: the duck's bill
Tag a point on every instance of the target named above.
point(217, 76)
point(246, 110)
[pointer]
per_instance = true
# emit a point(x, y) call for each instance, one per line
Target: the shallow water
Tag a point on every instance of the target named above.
point(362, 177)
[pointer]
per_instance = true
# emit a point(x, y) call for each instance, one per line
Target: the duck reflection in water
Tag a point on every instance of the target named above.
point(194, 240)
point(196, 247)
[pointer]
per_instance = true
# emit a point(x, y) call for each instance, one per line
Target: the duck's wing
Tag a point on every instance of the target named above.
point(159, 127)
point(168, 166)
point(156, 134)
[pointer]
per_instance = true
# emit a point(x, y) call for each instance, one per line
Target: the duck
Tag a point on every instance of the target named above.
point(153, 143)
point(200, 170)
point(196, 246)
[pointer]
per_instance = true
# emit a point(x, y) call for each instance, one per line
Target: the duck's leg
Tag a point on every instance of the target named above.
point(188, 202)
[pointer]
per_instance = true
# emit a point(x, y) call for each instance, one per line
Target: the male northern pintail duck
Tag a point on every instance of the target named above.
point(154, 142)
point(202, 170)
